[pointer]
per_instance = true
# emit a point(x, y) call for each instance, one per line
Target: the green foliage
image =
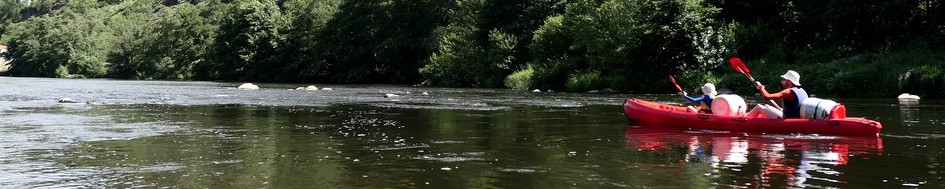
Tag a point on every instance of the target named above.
point(635, 41)
point(382, 41)
point(462, 62)
point(35, 48)
point(584, 82)
point(551, 47)
point(866, 75)
point(248, 40)
point(520, 80)
point(456, 63)
point(485, 42)
point(590, 81)
point(307, 21)
point(73, 44)
point(169, 47)
point(626, 45)
point(9, 13)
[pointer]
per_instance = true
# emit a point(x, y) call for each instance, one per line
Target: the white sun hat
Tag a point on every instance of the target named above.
point(709, 89)
point(792, 76)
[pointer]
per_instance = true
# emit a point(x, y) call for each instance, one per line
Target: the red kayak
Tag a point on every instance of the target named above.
point(661, 115)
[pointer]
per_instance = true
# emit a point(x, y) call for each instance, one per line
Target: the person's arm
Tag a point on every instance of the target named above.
point(784, 94)
point(695, 100)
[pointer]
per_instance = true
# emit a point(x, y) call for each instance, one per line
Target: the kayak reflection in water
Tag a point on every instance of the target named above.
point(778, 161)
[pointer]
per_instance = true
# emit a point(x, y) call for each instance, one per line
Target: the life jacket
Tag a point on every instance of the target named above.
point(792, 108)
point(706, 105)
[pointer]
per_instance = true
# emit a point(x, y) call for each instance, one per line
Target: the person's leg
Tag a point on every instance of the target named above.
point(772, 112)
point(756, 111)
point(692, 109)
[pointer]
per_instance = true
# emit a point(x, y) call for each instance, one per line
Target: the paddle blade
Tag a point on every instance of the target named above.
point(738, 65)
point(674, 83)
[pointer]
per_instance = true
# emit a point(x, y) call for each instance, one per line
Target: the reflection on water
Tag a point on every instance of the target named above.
point(740, 160)
point(909, 112)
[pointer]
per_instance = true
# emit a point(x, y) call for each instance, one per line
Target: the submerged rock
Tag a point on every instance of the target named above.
point(608, 90)
point(326, 89)
point(68, 100)
point(389, 95)
point(248, 86)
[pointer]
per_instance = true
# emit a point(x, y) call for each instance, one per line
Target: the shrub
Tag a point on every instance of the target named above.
point(520, 80)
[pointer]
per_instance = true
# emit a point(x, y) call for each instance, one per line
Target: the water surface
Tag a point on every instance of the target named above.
point(157, 134)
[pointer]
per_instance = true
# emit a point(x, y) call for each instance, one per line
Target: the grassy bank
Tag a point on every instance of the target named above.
point(880, 75)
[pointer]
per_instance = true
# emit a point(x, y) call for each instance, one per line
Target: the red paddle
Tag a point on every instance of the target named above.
point(740, 67)
point(674, 83)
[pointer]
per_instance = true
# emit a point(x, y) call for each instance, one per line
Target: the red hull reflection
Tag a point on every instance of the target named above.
point(788, 159)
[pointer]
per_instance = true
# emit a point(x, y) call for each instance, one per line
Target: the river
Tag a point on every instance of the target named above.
point(168, 134)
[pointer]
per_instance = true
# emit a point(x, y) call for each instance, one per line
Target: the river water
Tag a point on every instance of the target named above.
point(161, 134)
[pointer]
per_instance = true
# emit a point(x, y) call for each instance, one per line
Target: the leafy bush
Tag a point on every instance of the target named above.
point(520, 80)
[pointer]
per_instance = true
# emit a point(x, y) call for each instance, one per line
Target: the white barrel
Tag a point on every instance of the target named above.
point(815, 108)
point(729, 105)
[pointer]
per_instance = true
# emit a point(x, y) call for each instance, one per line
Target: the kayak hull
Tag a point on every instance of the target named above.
point(661, 115)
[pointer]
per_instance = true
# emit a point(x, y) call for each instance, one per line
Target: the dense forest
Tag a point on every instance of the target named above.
point(845, 48)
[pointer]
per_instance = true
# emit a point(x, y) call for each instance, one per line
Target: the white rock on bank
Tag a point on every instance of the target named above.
point(248, 86)
point(311, 88)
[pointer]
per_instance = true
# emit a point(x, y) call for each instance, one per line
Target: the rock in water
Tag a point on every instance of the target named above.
point(389, 95)
point(311, 88)
point(908, 97)
point(248, 86)
point(67, 100)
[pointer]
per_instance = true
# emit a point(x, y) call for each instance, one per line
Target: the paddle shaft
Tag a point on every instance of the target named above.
point(674, 83)
point(740, 67)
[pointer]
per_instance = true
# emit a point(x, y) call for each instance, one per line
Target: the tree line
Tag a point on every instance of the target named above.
point(625, 45)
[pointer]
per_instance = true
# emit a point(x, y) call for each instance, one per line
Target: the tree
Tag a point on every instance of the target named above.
point(486, 41)
point(247, 43)
point(627, 44)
